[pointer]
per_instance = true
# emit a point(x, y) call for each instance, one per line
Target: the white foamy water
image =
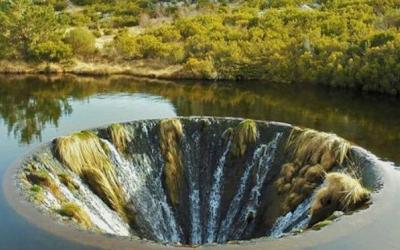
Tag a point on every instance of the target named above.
point(145, 194)
point(262, 162)
point(215, 196)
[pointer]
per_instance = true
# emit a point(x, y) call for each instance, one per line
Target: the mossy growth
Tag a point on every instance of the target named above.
point(171, 133)
point(318, 226)
point(341, 192)
point(119, 135)
point(246, 133)
point(36, 194)
point(68, 181)
point(74, 211)
point(84, 154)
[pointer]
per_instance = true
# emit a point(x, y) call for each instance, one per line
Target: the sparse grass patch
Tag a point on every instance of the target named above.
point(72, 210)
point(41, 177)
point(36, 193)
point(246, 133)
point(171, 132)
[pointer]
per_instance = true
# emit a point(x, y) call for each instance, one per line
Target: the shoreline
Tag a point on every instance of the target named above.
point(138, 68)
point(150, 69)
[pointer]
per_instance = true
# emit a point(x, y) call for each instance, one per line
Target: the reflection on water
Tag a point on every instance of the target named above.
point(28, 104)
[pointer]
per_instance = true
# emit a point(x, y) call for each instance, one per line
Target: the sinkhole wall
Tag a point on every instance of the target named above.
point(198, 180)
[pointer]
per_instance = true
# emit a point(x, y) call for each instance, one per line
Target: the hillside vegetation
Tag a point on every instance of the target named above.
point(347, 43)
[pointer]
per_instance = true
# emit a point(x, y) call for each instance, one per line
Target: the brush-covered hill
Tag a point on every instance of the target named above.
point(347, 43)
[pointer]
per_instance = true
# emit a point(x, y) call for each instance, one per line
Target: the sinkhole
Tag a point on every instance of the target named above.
point(198, 180)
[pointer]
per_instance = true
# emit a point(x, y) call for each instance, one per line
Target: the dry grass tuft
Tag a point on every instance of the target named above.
point(340, 192)
point(72, 210)
point(246, 133)
point(310, 146)
point(120, 136)
point(84, 154)
point(345, 189)
point(312, 155)
point(68, 182)
point(171, 132)
point(82, 150)
point(106, 189)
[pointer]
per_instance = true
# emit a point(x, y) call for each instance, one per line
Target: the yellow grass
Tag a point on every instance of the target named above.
point(340, 189)
point(310, 146)
point(120, 136)
point(246, 133)
point(83, 153)
point(68, 181)
point(171, 132)
point(72, 210)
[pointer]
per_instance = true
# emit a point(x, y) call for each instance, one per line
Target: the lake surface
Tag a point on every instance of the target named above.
point(36, 109)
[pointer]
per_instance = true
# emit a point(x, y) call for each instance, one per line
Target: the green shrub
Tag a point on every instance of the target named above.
point(82, 41)
point(149, 46)
point(53, 51)
point(60, 5)
point(200, 68)
point(125, 46)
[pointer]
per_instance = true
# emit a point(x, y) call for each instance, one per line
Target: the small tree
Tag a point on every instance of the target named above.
point(124, 45)
point(82, 42)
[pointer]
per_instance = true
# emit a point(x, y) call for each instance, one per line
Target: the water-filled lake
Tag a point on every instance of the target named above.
point(36, 109)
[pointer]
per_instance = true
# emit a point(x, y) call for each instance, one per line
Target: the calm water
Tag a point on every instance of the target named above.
point(37, 109)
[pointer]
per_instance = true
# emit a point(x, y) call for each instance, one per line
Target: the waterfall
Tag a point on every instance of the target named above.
point(215, 195)
point(146, 195)
point(194, 190)
point(263, 159)
point(222, 197)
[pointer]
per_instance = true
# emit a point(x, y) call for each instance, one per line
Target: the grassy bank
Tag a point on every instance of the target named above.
point(140, 68)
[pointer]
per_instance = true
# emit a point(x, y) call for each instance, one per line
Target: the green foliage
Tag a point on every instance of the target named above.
point(200, 68)
point(82, 41)
point(33, 32)
point(124, 45)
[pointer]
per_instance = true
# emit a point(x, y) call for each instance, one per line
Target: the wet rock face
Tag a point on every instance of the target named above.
point(188, 180)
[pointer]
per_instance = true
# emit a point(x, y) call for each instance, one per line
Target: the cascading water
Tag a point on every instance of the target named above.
point(297, 219)
point(222, 196)
point(215, 195)
point(194, 195)
point(150, 206)
point(261, 162)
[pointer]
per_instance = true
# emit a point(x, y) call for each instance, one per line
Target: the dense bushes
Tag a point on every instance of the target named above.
point(32, 32)
point(348, 43)
point(341, 43)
